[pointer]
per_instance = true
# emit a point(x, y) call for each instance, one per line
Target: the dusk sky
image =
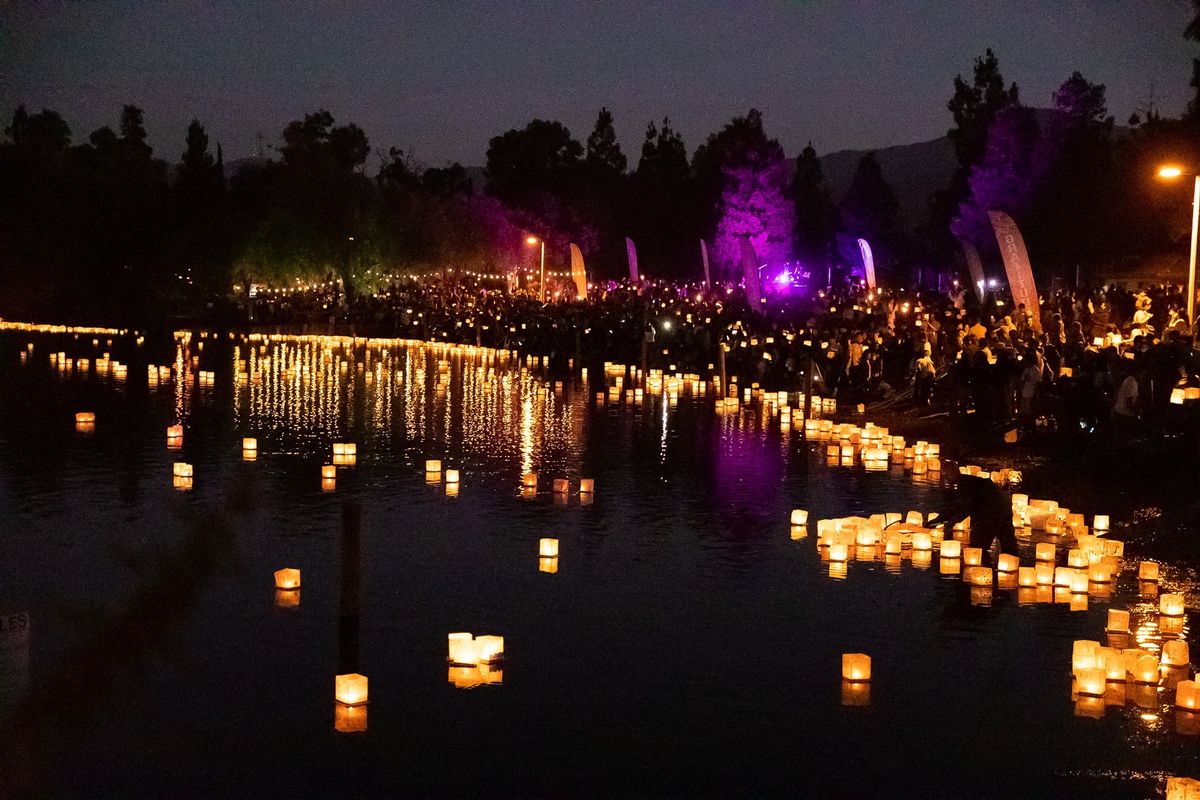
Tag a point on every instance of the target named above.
point(440, 79)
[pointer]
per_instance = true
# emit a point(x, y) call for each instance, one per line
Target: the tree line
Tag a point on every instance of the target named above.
point(103, 227)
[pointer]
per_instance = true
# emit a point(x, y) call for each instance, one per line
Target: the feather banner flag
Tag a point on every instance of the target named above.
point(750, 274)
point(1017, 266)
point(578, 274)
point(974, 266)
point(868, 262)
point(704, 258)
point(631, 253)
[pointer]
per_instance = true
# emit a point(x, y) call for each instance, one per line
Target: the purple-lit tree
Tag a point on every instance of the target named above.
point(754, 205)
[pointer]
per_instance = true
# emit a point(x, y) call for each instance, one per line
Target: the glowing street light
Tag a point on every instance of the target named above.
point(531, 241)
point(1171, 172)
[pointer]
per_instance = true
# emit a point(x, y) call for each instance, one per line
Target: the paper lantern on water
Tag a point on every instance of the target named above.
point(1100, 522)
point(1007, 563)
point(972, 556)
point(1099, 573)
point(1175, 653)
point(1044, 551)
point(893, 544)
point(838, 551)
point(287, 578)
point(1063, 576)
point(249, 444)
point(328, 484)
point(1090, 682)
point(1026, 577)
point(174, 436)
point(561, 486)
point(1182, 789)
point(85, 418)
point(181, 469)
point(1143, 668)
point(345, 449)
point(433, 465)
point(922, 541)
point(1113, 663)
point(1084, 654)
point(1171, 605)
point(462, 649)
point(451, 476)
point(350, 689)
point(548, 548)
point(978, 576)
point(856, 667)
point(951, 548)
point(1187, 695)
point(489, 648)
point(1079, 582)
point(1076, 558)
point(914, 518)
point(799, 516)
point(529, 480)
point(588, 486)
point(328, 471)
point(1118, 621)
point(1148, 571)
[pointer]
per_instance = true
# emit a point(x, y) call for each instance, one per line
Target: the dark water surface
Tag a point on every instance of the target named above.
point(686, 645)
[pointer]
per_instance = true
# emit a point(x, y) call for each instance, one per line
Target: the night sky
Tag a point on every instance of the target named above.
point(440, 79)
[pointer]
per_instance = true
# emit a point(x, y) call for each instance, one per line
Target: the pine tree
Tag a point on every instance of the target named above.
point(603, 151)
point(816, 216)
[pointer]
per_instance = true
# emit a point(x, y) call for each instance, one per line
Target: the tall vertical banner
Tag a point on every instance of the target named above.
point(578, 273)
point(750, 274)
point(868, 262)
point(704, 258)
point(974, 267)
point(1017, 266)
point(631, 253)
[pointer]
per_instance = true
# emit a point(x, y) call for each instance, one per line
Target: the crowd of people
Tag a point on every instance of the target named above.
point(1100, 358)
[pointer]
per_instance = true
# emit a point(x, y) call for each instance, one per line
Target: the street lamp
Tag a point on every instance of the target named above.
point(532, 240)
point(1171, 172)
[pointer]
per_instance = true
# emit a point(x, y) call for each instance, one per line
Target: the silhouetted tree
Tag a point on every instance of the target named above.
point(870, 211)
point(816, 215)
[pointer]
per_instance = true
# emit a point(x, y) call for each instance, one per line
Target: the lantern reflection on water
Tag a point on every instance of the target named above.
point(349, 719)
point(856, 693)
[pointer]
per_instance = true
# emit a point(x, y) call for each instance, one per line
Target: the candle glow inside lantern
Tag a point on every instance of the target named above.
point(1079, 582)
point(1187, 695)
point(529, 480)
point(1148, 571)
point(345, 449)
point(561, 486)
point(1044, 551)
point(1026, 577)
point(1084, 655)
point(1171, 605)
point(972, 556)
point(588, 486)
point(328, 471)
point(433, 465)
point(799, 516)
point(548, 548)
point(978, 576)
point(951, 548)
point(1144, 668)
point(922, 541)
point(856, 667)
point(181, 469)
point(451, 476)
point(1113, 664)
point(287, 578)
point(1100, 523)
point(839, 551)
point(349, 719)
point(350, 689)
point(174, 436)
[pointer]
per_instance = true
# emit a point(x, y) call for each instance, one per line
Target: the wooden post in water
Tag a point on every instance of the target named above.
point(808, 381)
point(721, 367)
point(351, 584)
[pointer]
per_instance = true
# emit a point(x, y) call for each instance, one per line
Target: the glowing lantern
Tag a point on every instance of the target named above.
point(463, 649)
point(350, 689)
point(1175, 653)
point(1007, 563)
point(287, 598)
point(1099, 573)
point(548, 548)
point(1063, 576)
point(1118, 621)
point(972, 556)
point(1187, 695)
point(949, 566)
point(1182, 788)
point(951, 548)
point(490, 648)
point(548, 565)
point(1144, 667)
point(1079, 582)
point(181, 470)
point(328, 471)
point(914, 518)
point(1114, 665)
point(287, 578)
point(1076, 558)
point(433, 465)
point(529, 480)
point(588, 486)
point(561, 486)
point(1090, 682)
point(838, 551)
point(799, 516)
point(1148, 571)
point(85, 418)
point(1177, 396)
point(1084, 654)
point(978, 576)
point(922, 541)
point(174, 436)
point(345, 449)
point(1100, 522)
point(249, 444)
point(328, 484)
point(856, 667)
point(1171, 605)
point(451, 476)
point(1044, 551)
point(1026, 577)
point(182, 483)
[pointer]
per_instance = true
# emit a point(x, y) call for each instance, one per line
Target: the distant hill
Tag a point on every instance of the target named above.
point(914, 171)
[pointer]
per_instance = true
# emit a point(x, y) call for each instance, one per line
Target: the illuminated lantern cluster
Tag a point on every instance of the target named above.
point(475, 660)
point(85, 422)
point(249, 449)
point(345, 454)
point(181, 476)
point(174, 437)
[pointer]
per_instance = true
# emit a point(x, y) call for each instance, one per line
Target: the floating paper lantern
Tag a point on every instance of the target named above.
point(462, 649)
point(328, 471)
point(972, 556)
point(978, 576)
point(174, 436)
point(856, 667)
point(838, 551)
point(249, 445)
point(1044, 551)
point(1113, 663)
point(433, 465)
point(1143, 667)
point(588, 486)
point(951, 548)
point(85, 417)
point(1090, 682)
point(451, 476)
point(328, 484)
point(561, 486)
point(1171, 605)
point(350, 689)
point(345, 449)
point(1100, 522)
point(529, 480)
point(1076, 558)
point(1187, 695)
point(181, 469)
point(287, 578)
point(491, 648)
point(85, 422)
point(1118, 621)
point(922, 541)
point(1148, 571)
point(548, 548)
point(1007, 563)
point(1063, 576)
point(914, 518)
point(1026, 577)
point(799, 516)
point(1175, 653)
point(1079, 581)
point(1084, 655)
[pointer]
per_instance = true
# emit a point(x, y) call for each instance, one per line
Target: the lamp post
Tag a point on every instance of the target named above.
point(1171, 172)
point(532, 240)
